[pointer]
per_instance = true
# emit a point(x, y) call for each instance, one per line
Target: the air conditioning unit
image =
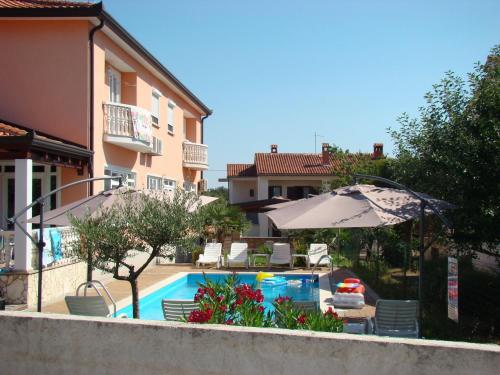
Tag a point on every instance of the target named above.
point(202, 186)
point(157, 146)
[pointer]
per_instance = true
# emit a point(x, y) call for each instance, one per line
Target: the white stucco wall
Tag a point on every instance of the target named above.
point(63, 344)
point(239, 190)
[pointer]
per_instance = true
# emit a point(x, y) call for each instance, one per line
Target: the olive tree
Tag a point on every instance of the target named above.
point(138, 223)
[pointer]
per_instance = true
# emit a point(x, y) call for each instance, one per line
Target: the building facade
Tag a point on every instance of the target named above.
point(81, 98)
point(275, 176)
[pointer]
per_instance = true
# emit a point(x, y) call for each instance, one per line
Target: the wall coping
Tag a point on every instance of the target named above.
point(28, 316)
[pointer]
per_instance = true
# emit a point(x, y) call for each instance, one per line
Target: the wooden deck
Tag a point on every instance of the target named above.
point(120, 290)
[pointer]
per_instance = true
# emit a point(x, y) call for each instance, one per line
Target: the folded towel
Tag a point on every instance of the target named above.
point(47, 257)
point(55, 239)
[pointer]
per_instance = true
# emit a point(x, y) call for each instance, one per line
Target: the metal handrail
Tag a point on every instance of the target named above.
point(318, 264)
point(91, 284)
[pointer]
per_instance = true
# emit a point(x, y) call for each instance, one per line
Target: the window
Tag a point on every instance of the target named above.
point(115, 83)
point(169, 184)
point(274, 191)
point(155, 108)
point(154, 183)
point(252, 193)
point(189, 186)
point(128, 177)
point(170, 125)
point(157, 146)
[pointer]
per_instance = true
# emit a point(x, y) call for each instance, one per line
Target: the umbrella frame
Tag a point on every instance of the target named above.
point(40, 243)
point(421, 247)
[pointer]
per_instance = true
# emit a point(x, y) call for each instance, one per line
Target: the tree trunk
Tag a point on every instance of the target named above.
point(135, 298)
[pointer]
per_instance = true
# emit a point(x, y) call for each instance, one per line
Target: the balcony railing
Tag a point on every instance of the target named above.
point(128, 126)
point(195, 155)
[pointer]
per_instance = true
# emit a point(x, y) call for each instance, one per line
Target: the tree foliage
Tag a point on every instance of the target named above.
point(221, 219)
point(452, 151)
point(137, 223)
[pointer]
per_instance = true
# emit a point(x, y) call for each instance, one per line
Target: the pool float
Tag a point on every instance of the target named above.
point(274, 281)
point(263, 275)
point(349, 294)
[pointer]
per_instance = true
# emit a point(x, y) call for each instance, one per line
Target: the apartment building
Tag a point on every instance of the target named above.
point(80, 97)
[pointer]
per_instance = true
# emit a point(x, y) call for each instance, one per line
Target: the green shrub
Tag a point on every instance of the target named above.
point(195, 254)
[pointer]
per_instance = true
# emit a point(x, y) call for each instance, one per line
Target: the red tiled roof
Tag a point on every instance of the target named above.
point(291, 164)
point(7, 130)
point(19, 4)
point(241, 170)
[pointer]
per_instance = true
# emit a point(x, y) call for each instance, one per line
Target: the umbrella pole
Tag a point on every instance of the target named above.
point(421, 264)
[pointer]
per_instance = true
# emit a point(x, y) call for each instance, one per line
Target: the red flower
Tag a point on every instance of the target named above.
point(220, 298)
point(200, 316)
point(281, 300)
point(302, 319)
point(260, 308)
point(331, 314)
point(223, 308)
point(229, 321)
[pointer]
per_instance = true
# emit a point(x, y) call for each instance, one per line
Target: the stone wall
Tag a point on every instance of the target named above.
point(64, 344)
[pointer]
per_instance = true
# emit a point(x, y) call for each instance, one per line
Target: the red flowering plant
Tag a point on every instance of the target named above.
point(290, 317)
point(230, 302)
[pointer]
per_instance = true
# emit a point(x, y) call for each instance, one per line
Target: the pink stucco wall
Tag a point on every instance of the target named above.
point(43, 76)
point(136, 90)
point(44, 85)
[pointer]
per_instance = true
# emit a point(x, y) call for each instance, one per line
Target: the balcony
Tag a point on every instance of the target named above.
point(194, 156)
point(128, 126)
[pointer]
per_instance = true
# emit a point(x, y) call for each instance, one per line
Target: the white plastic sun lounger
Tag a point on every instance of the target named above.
point(318, 254)
point(396, 318)
point(212, 255)
point(177, 310)
point(238, 254)
point(281, 254)
point(91, 305)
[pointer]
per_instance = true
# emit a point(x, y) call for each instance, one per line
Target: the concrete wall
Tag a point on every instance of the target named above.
point(61, 344)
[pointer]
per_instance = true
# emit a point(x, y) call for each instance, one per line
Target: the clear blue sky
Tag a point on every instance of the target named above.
point(277, 71)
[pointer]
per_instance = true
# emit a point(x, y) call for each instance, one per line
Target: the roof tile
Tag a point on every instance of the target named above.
point(44, 4)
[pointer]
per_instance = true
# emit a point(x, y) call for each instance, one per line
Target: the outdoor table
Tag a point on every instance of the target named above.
point(305, 256)
point(255, 255)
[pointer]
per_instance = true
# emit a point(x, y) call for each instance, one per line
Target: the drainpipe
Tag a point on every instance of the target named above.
point(202, 121)
point(91, 99)
point(91, 128)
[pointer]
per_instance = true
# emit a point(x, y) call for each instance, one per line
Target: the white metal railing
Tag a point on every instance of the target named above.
point(195, 153)
point(118, 119)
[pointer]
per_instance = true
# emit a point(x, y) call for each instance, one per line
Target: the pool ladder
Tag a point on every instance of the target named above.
point(95, 284)
point(318, 263)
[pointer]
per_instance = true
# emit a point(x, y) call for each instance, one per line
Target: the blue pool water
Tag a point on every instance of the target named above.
point(187, 286)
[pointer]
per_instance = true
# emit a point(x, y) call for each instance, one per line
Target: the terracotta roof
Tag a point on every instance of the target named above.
point(44, 4)
point(7, 130)
point(241, 170)
point(291, 164)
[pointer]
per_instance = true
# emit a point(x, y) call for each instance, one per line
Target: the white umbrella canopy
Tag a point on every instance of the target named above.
point(93, 204)
point(357, 206)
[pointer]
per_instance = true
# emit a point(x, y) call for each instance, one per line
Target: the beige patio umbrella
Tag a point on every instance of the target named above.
point(61, 216)
point(356, 206)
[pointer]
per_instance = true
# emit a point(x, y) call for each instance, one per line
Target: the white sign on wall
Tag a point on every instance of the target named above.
point(453, 289)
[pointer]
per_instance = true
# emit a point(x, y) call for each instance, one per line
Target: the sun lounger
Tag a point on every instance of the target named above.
point(211, 255)
point(305, 306)
point(349, 294)
point(177, 310)
point(281, 254)
point(318, 255)
point(238, 254)
point(396, 318)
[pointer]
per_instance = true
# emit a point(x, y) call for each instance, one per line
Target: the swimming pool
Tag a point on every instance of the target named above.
point(187, 286)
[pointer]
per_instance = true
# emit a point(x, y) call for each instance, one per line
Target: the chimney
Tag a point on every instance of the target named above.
point(378, 151)
point(274, 149)
point(325, 153)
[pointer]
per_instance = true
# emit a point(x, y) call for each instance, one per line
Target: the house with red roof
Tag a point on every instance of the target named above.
point(276, 176)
